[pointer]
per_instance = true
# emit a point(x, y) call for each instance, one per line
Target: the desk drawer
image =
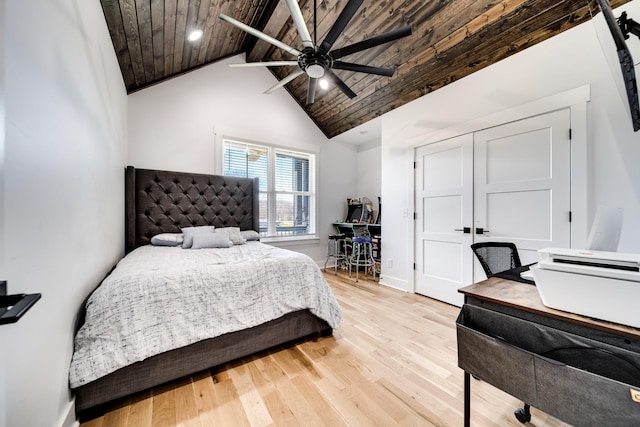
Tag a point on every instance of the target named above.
point(577, 379)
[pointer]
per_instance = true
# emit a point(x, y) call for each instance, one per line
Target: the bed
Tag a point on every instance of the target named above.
point(181, 337)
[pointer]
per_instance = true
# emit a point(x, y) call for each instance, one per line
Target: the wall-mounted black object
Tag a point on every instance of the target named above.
point(620, 30)
point(13, 307)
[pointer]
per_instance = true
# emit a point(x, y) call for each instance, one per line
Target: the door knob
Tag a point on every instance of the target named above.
point(465, 230)
point(480, 230)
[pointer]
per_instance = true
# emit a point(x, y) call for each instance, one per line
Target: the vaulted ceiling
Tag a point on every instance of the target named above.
point(450, 40)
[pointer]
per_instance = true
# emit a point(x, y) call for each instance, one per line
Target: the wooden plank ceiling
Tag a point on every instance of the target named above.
point(451, 39)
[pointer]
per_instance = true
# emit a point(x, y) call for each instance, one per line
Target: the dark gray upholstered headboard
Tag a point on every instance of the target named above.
point(164, 202)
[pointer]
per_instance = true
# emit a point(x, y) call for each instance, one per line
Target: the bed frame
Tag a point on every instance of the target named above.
point(163, 202)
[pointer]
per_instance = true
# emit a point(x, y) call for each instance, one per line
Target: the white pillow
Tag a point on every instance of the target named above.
point(234, 234)
point(211, 240)
point(167, 239)
point(250, 235)
point(189, 232)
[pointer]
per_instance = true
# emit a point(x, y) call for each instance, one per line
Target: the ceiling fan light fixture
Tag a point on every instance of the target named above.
point(324, 83)
point(315, 71)
point(194, 35)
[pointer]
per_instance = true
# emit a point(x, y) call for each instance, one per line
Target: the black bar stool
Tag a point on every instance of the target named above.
point(362, 256)
point(336, 250)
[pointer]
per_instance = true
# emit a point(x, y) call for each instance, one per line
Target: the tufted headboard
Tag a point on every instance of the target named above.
point(164, 202)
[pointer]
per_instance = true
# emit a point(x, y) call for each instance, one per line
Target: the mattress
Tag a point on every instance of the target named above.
point(162, 298)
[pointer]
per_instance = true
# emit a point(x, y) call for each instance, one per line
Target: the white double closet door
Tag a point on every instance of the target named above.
point(510, 183)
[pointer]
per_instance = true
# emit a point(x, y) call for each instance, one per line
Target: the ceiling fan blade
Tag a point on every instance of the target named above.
point(284, 81)
point(263, 64)
point(298, 20)
point(259, 34)
point(383, 38)
point(363, 68)
point(341, 23)
point(311, 91)
point(340, 84)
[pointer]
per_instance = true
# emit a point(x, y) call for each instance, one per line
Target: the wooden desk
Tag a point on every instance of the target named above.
point(525, 297)
point(508, 338)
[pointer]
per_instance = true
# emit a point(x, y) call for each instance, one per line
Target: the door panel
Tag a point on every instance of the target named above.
point(516, 158)
point(444, 206)
point(522, 184)
point(522, 215)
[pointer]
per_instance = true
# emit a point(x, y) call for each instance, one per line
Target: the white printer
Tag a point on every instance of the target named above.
point(602, 285)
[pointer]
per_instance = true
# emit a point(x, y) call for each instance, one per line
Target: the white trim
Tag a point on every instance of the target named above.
point(68, 418)
point(579, 174)
point(395, 283)
point(291, 240)
point(576, 100)
point(411, 224)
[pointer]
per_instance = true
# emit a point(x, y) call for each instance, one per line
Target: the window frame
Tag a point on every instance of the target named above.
point(272, 193)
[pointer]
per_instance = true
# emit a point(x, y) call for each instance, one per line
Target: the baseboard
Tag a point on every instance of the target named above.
point(68, 417)
point(395, 283)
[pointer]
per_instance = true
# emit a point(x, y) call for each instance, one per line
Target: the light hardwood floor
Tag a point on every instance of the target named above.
point(391, 362)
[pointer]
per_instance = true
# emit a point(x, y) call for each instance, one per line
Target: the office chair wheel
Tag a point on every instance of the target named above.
point(523, 414)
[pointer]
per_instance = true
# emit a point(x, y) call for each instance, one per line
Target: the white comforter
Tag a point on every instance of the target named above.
point(161, 298)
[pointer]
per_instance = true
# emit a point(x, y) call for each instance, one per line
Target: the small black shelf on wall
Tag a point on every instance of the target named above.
point(13, 307)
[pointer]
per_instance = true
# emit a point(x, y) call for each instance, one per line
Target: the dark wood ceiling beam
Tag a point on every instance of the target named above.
point(529, 32)
point(190, 24)
point(414, 89)
point(208, 38)
point(170, 7)
point(157, 35)
point(233, 38)
point(113, 16)
point(143, 12)
point(480, 51)
point(442, 56)
point(199, 23)
point(130, 29)
point(430, 23)
point(181, 29)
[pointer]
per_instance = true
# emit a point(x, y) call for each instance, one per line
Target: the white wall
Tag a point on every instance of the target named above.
point(3, 410)
point(64, 164)
point(564, 62)
point(176, 125)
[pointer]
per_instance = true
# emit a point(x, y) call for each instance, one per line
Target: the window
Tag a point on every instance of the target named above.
point(287, 185)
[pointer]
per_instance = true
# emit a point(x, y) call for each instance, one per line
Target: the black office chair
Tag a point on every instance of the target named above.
point(496, 257)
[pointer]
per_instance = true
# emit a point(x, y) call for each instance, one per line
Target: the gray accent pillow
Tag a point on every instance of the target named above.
point(234, 234)
point(189, 232)
point(167, 239)
point(250, 235)
point(211, 240)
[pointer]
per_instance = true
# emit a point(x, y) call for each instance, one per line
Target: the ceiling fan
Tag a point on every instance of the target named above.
point(317, 60)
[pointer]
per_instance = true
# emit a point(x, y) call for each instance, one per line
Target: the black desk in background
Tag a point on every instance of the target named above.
point(373, 230)
point(348, 228)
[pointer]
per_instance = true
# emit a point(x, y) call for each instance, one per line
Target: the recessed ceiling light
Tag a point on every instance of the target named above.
point(324, 84)
point(194, 35)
